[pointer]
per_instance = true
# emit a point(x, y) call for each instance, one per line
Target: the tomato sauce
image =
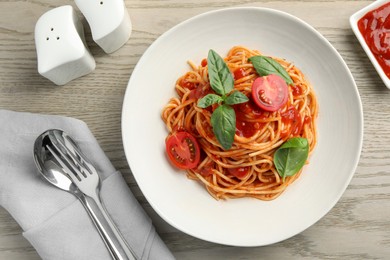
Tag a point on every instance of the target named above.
point(206, 171)
point(293, 121)
point(187, 84)
point(296, 90)
point(245, 128)
point(240, 172)
point(375, 29)
point(307, 120)
point(199, 92)
point(239, 73)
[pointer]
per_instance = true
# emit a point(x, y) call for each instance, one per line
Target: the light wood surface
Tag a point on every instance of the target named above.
point(358, 227)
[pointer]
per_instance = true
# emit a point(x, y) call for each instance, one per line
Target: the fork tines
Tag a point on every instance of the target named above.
point(75, 166)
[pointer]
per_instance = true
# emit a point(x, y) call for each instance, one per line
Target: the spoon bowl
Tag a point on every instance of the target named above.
point(48, 165)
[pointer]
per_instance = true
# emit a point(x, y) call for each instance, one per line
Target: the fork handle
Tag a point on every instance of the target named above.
point(129, 254)
point(103, 228)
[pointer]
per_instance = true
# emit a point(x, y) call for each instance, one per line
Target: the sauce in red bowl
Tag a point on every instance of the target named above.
point(375, 29)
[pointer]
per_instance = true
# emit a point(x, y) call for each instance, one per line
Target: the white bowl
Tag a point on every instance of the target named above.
point(353, 20)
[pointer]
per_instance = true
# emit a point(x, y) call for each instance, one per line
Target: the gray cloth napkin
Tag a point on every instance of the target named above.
point(54, 221)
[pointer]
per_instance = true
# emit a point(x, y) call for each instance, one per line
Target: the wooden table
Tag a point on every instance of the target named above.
point(358, 227)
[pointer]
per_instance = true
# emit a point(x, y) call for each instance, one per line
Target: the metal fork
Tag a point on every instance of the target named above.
point(86, 178)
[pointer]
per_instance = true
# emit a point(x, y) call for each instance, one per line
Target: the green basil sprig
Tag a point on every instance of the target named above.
point(223, 119)
point(265, 66)
point(291, 156)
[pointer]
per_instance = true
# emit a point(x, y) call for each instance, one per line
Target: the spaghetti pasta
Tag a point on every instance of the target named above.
point(246, 169)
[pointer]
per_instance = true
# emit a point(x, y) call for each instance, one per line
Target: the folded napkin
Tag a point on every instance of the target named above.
point(53, 220)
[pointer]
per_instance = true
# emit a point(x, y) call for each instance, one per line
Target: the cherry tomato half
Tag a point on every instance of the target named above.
point(183, 150)
point(270, 92)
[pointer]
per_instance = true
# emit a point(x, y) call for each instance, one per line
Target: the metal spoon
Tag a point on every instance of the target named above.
point(53, 171)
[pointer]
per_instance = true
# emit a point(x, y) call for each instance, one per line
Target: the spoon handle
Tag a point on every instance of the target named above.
point(102, 227)
point(130, 255)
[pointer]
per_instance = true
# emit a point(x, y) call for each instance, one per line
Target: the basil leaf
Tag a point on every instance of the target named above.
point(291, 156)
point(223, 121)
point(236, 98)
point(208, 100)
point(221, 79)
point(265, 66)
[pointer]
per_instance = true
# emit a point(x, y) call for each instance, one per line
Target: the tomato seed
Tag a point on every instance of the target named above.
point(264, 98)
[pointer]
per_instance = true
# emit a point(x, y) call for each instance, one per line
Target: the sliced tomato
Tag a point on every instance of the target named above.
point(239, 172)
point(270, 92)
point(183, 150)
